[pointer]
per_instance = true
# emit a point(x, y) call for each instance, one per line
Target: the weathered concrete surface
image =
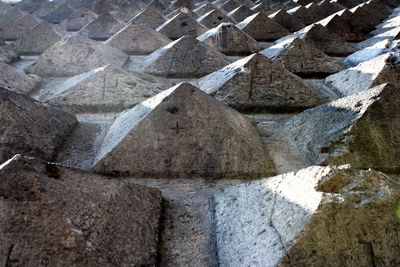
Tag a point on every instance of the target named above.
point(381, 69)
point(229, 40)
point(30, 127)
point(15, 29)
point(182, 132)
point(57, 15)
point(318, 216)
point(324, 39)
point(138, 40)
point(18, 82)
point(126, 11)
point(51, 215)
point(106, 89)
point(213, 18)
point(240, 13)
point(79, 19)
point(183, 58)
point(102, 28)
point(148, 17)
point(256, 83)
point(187, 236)
point(262, 28)
point(303, 58)
point(8, 54)
point(287, 21)
point(37, 40)
point(360, 130)
point(75, 55)
point(180, 25)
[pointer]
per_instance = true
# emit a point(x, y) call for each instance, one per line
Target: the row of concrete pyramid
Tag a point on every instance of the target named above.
point(257, 26)
point(184, 132)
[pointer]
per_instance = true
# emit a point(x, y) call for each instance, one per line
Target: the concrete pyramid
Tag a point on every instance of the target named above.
point(240, 13)
point(149, 17)
point(126, 11)
point(138, 40)
point(262, 28)
point(31, 127)
point(303, 58)
point(213, 18)
point(10, 17)
point(229, 5)
point(75, 55)
point(205, 8)
point(12, 80)
point(323, 39)
point(185, 57)
point(37, 7)
point(182, 132)
point(228, 39)
point(300, 13)
point(376, 71)
point(287, 21)
point(347, 25)
point(317, 216)
point(361, 130)
point(103, 6)
point(256, 83)
point(37, 40)
point(77, 217)
point(59, 14)
point(102, 28)
point(106, 89)
point(79, 19)
point(13, 31)
point(327, 8)
point(180, 25)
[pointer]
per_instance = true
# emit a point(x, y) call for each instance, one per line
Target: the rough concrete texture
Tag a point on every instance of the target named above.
point(318, 216)
point(229, 5)
point(213, 18)
point(8, 54)
point(102, 28)
point(324, 39)
point(125, 12)
point(75, 55)
point(240, 13)
point(347, 25)
point(381, 69)
point(287, 21)
point(79, 19)
point(185, 57)
point(359, 130)
point(229, 40)
point(149, 17)
point(4, 8)
point(30, 127)
point(303, 58)
point(205, 8)
point(187, 134)
point(106, 89)
point(10, 17)
point(262, 28)
point(138, 40)
point(54, 216)
point(37, 40)
point(57, 15)
point(187, 236)
point(18, 82)
point(180, 25)
point(14, 30)
point(256, 83)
